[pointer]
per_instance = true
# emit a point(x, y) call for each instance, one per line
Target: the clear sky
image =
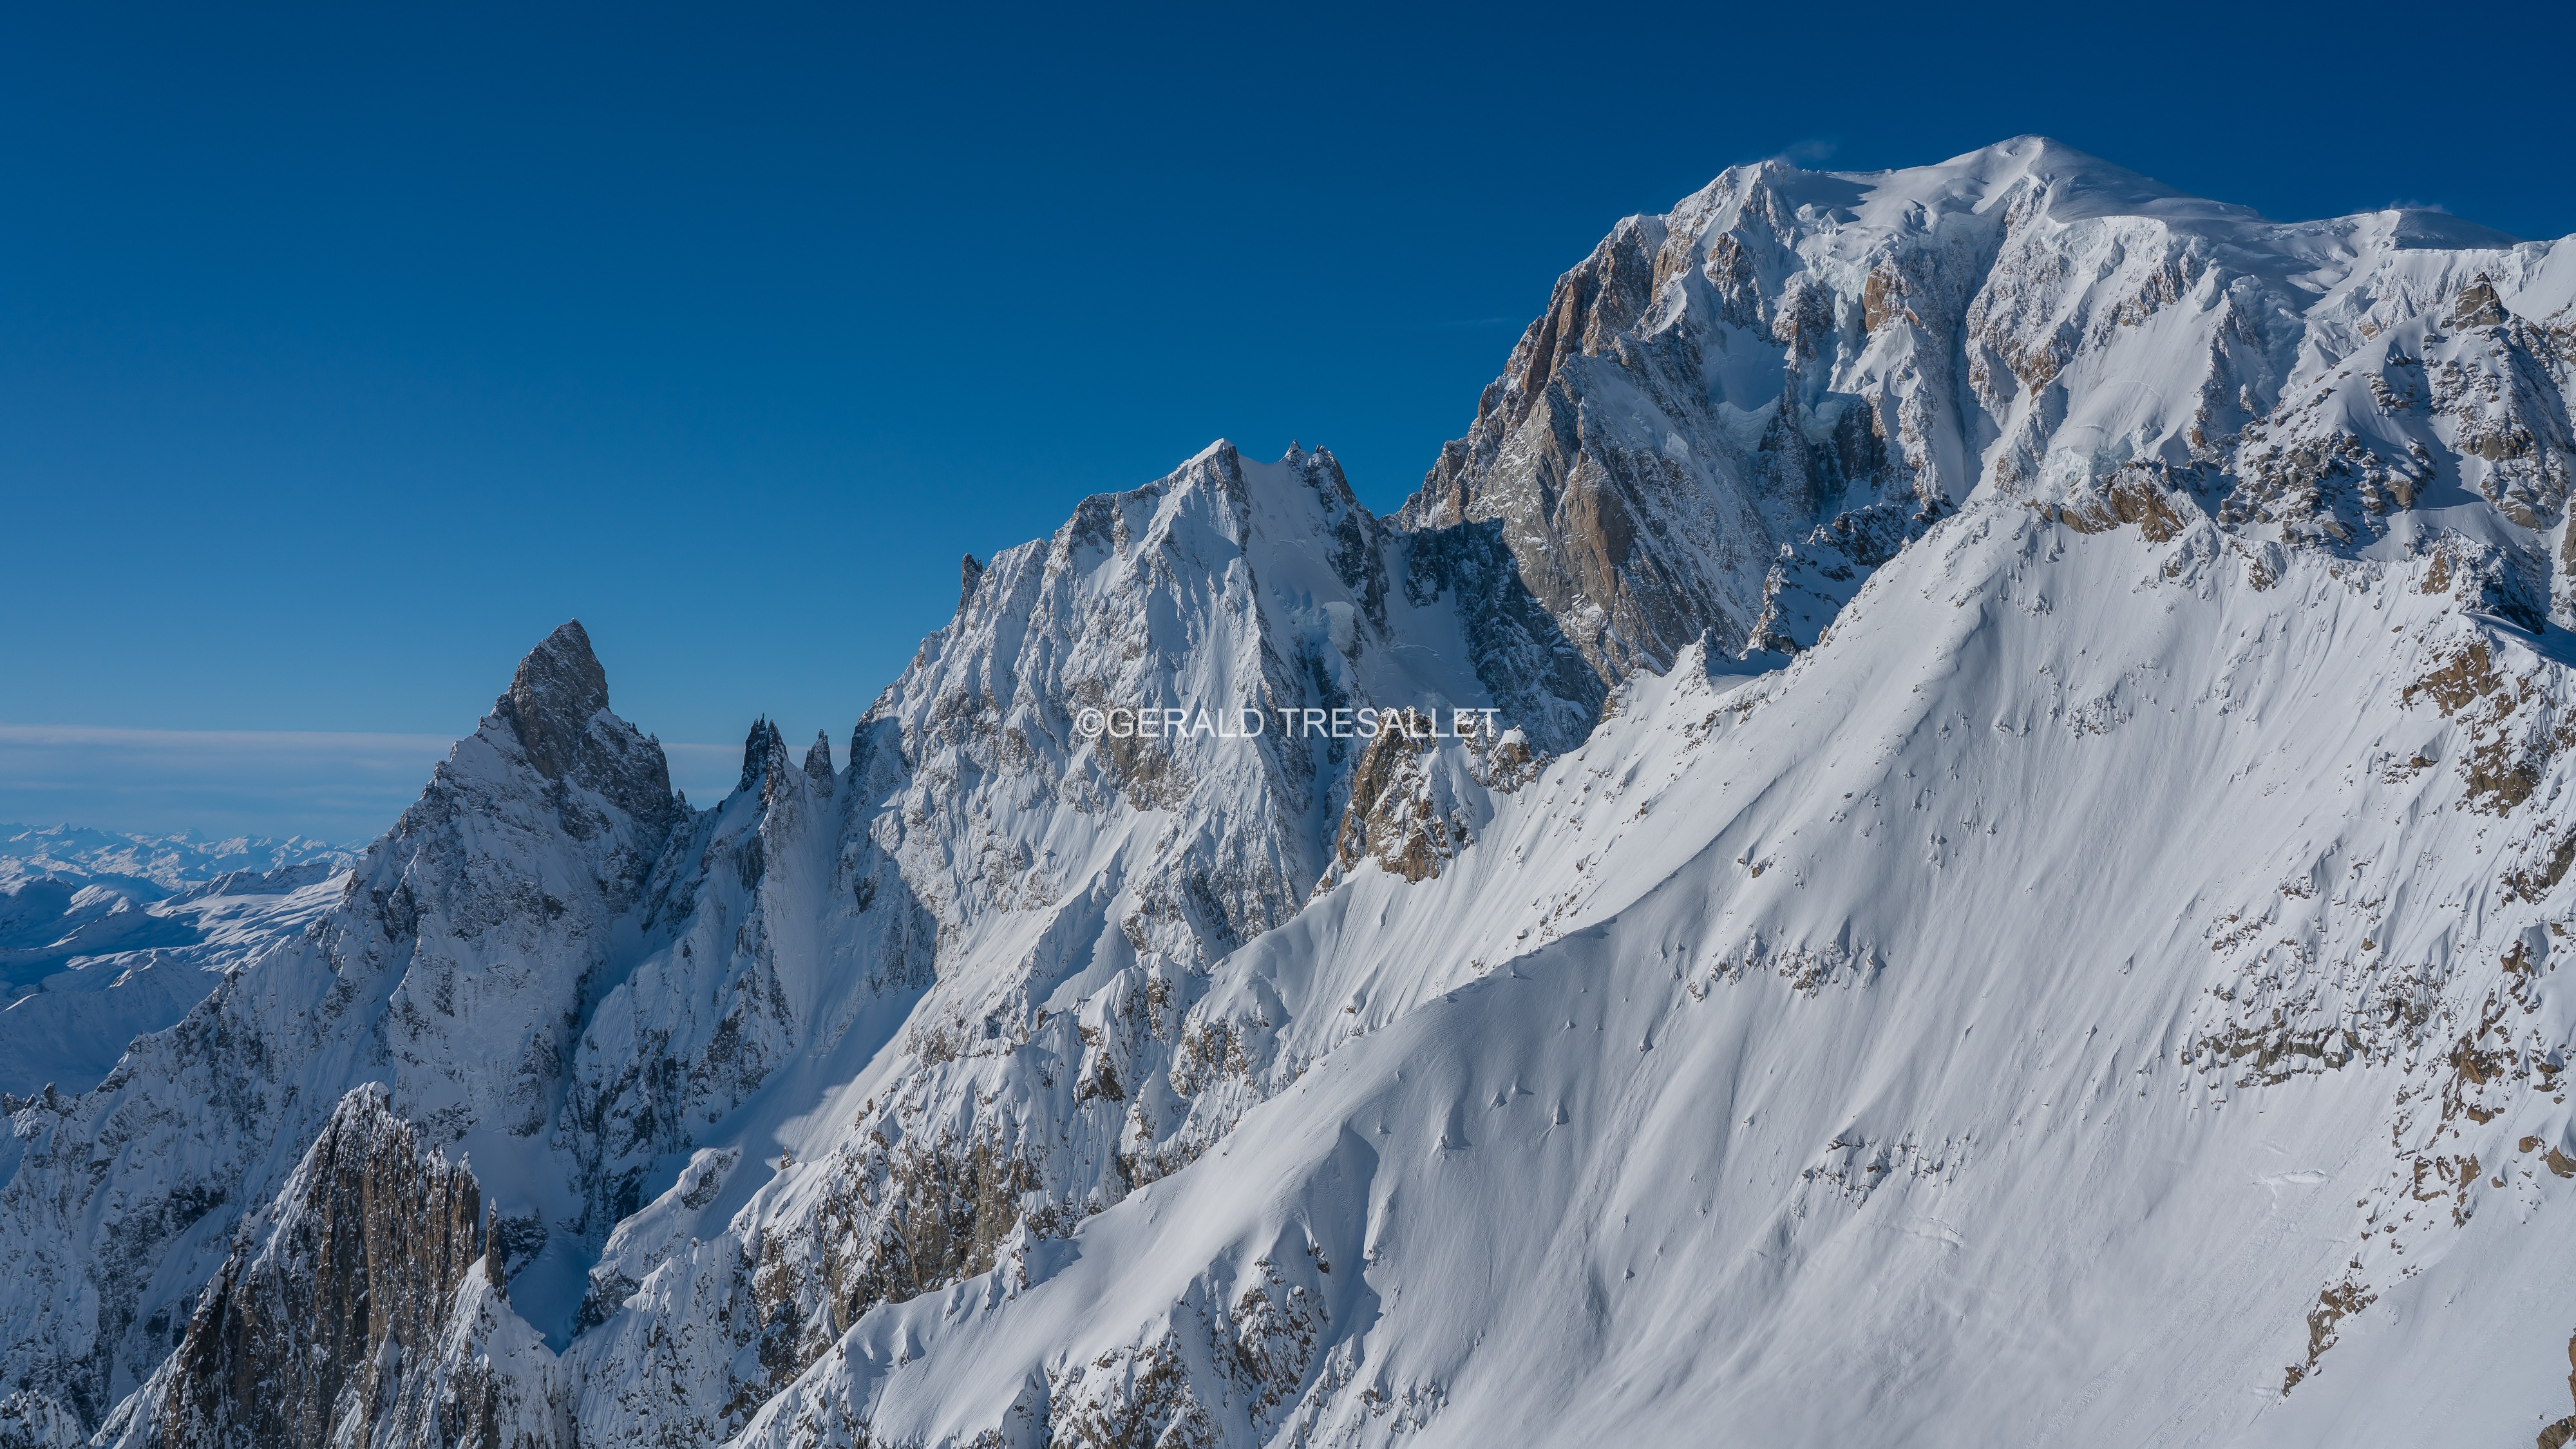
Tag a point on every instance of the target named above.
point(345, 351)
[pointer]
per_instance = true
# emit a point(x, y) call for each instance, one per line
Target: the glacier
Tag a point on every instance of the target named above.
point(2019, 901)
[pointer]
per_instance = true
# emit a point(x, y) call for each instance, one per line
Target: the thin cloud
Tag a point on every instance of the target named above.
point(345, 786)
point(102, 737)
point(704, 772)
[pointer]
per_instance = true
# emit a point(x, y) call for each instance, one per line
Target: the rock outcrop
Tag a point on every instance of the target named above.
point(362, 1307)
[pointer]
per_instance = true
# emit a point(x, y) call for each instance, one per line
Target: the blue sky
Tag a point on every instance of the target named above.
point(344, 351)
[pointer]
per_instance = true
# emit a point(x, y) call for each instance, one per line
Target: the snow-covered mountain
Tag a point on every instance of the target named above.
point(1732, 412)
point(2013, 894)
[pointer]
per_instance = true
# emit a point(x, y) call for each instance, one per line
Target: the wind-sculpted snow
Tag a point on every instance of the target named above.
point(2096, 983)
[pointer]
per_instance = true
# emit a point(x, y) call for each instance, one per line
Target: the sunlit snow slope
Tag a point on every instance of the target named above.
point(2009, 1023)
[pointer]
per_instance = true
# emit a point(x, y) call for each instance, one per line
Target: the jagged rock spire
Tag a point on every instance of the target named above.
point(557, 706)
point(818, 759)
point(764, 746)
point(551, 699)
point(969, 574)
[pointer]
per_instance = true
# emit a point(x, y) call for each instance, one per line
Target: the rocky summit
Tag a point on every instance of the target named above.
point(1943, 826)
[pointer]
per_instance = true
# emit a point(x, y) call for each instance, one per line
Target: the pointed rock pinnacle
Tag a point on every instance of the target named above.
point(764, 747)
point(551, 699)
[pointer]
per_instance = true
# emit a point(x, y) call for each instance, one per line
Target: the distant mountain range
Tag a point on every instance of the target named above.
point(155, 865)
point(104, 936)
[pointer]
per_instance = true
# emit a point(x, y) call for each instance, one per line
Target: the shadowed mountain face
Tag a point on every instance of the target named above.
point(2015, 781)
point(555, 696)
point(336, 1302)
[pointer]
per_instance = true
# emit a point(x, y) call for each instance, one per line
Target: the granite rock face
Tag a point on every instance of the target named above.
point(553, 694)
point(557, 707)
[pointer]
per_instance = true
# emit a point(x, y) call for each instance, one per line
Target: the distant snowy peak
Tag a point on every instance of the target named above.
point(2046, 176)
point(1730, 414)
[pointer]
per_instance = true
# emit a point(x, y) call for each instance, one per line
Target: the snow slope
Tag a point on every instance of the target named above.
point(1995, 1027)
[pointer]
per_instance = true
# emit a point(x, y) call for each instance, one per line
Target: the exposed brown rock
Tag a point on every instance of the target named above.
point(2477, 305)
point(2557, 1435)
point(305, 1338)
point(1391, 817)
point(551, 698)
point(555, 698)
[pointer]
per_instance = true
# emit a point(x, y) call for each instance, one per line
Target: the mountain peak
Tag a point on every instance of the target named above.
point(561, 673)
point(557, 688)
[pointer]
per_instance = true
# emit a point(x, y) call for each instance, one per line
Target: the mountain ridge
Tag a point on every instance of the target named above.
point(1965, 650)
